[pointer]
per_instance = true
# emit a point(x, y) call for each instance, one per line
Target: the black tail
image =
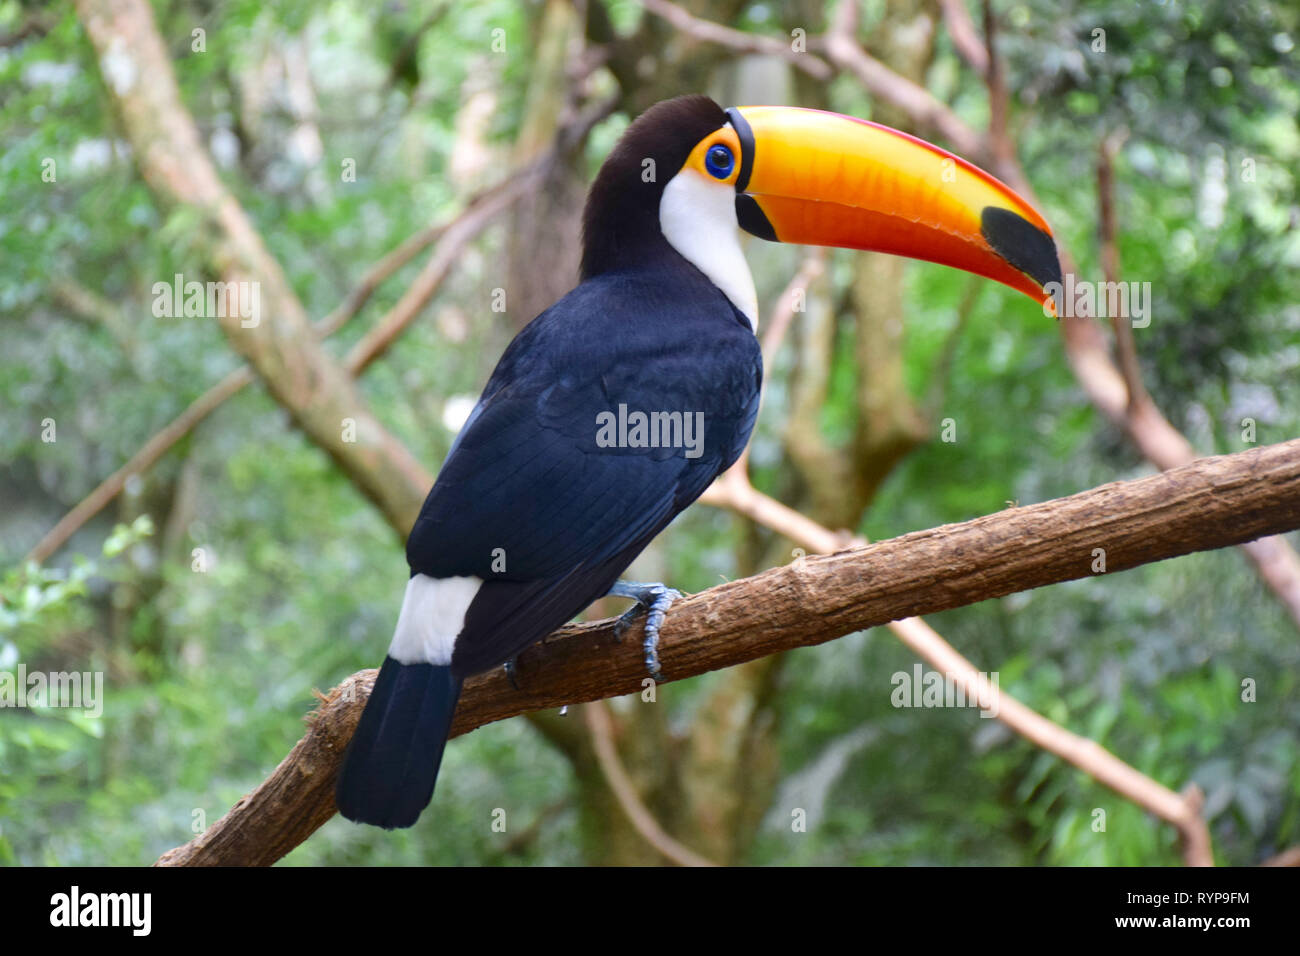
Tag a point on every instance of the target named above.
point(392, 762)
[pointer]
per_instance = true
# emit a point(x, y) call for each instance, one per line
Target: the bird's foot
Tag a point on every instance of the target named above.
point(510, 672)
point(654, 600)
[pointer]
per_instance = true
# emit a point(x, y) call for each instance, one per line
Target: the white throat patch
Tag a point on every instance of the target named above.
point(698, 218)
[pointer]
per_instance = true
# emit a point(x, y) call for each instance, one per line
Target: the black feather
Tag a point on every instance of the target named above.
point(531, 503)
point(392, 762)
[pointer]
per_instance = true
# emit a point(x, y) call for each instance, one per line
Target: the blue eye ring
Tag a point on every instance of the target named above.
point(719, 161)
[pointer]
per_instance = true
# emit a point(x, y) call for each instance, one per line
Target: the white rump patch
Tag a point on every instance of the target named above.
point(433, 613)
point(698, 218)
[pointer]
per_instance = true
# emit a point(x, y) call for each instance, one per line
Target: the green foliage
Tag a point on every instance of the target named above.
point(270, 575)
point(48, 750)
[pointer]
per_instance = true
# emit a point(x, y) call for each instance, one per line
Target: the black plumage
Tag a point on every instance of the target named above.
point(527, 482)
point(529, 499)
point(394, 755)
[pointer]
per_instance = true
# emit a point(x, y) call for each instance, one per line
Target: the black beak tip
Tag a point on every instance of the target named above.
point(1022, 244)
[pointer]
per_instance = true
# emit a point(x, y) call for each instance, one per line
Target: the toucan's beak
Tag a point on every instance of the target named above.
point(822, 179)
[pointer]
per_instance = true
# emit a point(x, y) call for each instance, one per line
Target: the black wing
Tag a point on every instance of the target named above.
point(528, 498)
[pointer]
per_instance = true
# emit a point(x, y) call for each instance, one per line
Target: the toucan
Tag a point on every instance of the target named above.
point(614, 409)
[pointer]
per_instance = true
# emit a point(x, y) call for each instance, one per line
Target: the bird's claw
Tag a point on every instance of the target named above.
point(510, 673)
point(653, 600)
point(625, 620)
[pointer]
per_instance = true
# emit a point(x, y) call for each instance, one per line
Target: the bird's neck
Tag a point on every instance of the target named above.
point(698, 219)
point(692, 235)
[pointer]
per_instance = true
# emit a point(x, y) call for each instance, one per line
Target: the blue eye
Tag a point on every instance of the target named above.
point(719, 161)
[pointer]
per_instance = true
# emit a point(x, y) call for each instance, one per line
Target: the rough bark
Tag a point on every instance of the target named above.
point(317, 392)
point(1277, 563)
point(1209, 504)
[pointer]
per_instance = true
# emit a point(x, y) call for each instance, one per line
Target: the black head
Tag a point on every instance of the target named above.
point(620, 227)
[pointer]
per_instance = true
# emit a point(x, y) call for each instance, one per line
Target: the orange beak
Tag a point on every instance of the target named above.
point(823, 179)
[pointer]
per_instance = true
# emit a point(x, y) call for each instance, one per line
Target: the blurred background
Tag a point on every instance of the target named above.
point(219, 585)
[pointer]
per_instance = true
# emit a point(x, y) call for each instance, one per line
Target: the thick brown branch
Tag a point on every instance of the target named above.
point(734, 491)
point(278, 343)
point(1156, 439)
point(450, 238)
point(1208, 504)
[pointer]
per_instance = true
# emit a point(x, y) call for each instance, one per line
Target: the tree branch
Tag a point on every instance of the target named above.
point(450, 239)
point(1208, 504)
point(601, 725)
point(1108, 239)
point(1182, 810)
point(457, 235)
point(1155, 438)
point(314, 389)
point(149, 453)
point(964, 37)
point(738, 40)
point(926, 110)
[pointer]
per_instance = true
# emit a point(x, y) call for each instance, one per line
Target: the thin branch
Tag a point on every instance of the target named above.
point(457, 236)
point(999, 97)
point(1108, 235)
point(1156, 439)
point(782, 314)
point(844, 54)
point(382, 270)
point(450, 238)
point(1181, 810)
point(1208, 504)
point(961, 28)
point(810, 270)
point(141, 461)
point(601, 726)
point(738, 40)
point(735, 492)
point(880, 81)
point(1290, 857)
point(93, 307)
